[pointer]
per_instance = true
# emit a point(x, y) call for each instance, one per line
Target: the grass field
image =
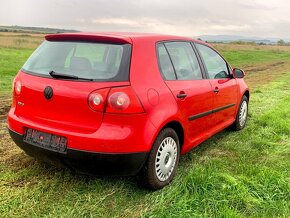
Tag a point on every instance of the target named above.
point(233, 174)
point(14, 51)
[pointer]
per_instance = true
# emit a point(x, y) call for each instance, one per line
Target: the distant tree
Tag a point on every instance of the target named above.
point(281, 42)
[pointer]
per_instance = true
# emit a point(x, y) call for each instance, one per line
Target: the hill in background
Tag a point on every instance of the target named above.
point(234, 38)
point(22, 29)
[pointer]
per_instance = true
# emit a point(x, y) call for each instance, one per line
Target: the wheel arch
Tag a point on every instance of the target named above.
point(178, 128)
point(247, 94)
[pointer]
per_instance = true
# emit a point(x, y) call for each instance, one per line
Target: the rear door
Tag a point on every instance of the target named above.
point(182, 74)
point(225, 88)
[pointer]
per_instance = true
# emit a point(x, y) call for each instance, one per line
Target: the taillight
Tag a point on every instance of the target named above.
point(16, 90)
point(119, 100)
point(16, 86)
point(97, 99)
point(123, 100)
point(115, 100)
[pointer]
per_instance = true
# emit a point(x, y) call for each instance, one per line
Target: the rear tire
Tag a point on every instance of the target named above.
point(162, 162)
point(242, 115)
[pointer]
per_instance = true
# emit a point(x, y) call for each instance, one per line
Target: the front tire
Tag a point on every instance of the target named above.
point(242, 115)
point(162, 162)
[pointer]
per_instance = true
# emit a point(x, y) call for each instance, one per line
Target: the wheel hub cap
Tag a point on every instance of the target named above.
point(243, 113)
point(166, 158)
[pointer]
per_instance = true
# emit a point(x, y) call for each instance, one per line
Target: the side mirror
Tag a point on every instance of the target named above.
point(238, 74)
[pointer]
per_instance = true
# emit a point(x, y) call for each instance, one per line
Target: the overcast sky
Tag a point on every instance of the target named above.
point(262, 18)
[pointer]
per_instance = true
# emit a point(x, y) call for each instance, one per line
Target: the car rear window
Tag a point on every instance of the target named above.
point(88, 60)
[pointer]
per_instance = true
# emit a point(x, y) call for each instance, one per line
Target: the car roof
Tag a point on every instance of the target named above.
point(115, 37)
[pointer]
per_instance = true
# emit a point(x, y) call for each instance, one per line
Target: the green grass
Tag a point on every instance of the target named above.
point(246, 57)
point(239, 174)
point(11, 60)
point(233, 174)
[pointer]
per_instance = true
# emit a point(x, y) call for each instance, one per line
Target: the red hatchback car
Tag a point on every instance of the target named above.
point(124, 103)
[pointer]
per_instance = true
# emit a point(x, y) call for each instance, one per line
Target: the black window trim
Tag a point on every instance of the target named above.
point(159, 66)
point(199, 60)
point(176, 78)
point(203, 63)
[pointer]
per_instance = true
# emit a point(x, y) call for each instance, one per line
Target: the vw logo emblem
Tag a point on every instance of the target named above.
point(48, 92)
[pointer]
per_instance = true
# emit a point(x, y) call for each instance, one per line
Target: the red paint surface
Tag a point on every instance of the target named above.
point(106, 130)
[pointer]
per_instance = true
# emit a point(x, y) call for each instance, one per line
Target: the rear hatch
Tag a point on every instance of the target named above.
point(58, 79)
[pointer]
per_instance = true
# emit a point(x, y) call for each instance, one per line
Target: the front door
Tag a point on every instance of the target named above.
point(223, 86)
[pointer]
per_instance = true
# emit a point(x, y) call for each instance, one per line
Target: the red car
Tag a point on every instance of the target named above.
point(124, 103)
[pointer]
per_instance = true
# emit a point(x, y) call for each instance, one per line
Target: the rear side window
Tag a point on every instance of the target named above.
point(181, 55)
point(165, 63)
point(96, 61)
point(216, 66)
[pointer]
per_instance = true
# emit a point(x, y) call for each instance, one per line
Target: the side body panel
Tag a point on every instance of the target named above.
point(225, 101)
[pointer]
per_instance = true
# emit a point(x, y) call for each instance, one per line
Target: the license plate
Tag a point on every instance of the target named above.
point(45, 140)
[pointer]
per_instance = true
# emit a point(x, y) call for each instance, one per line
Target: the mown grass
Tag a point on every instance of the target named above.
point(237, 58)
point(239, 174)
point(246, 55)
point(11, 60)
point(15, 48)
point(233, 174)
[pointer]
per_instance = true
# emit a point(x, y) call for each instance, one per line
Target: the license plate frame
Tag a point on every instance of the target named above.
point(45, 140)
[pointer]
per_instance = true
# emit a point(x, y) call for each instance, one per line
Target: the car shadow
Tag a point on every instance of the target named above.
point(39, 170)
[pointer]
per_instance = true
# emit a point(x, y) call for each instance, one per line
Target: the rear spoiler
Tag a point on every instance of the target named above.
point(89, 37)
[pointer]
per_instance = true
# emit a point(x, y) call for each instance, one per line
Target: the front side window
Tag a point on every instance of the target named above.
point(216, 66)
point(96, 61)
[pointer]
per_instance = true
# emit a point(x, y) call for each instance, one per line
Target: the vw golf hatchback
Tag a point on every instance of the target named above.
point(123, 103)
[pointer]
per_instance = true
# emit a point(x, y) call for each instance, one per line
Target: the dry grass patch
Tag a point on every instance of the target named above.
point(248, 47)
point(17, 40)
point(5, 103)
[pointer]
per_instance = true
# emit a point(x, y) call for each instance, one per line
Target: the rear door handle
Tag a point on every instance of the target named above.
point(181, 95)
point(216, 90)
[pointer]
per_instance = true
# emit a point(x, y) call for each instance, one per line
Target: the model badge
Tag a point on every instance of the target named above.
point(20, 103)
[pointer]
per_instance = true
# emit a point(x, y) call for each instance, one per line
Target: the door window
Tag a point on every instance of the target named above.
point(216, 66)
point(165, 64)
point(181, 55)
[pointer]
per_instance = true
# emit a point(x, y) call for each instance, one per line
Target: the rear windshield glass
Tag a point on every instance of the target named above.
point(95, 61)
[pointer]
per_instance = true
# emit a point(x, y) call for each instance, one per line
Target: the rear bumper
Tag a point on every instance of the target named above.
point(84, 161)
point(117, 134)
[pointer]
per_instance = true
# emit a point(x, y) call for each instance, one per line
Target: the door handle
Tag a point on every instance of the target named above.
point(181, 95)
point(216, 90)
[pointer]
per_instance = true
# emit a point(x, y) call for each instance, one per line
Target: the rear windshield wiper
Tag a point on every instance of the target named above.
point(66, 76)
